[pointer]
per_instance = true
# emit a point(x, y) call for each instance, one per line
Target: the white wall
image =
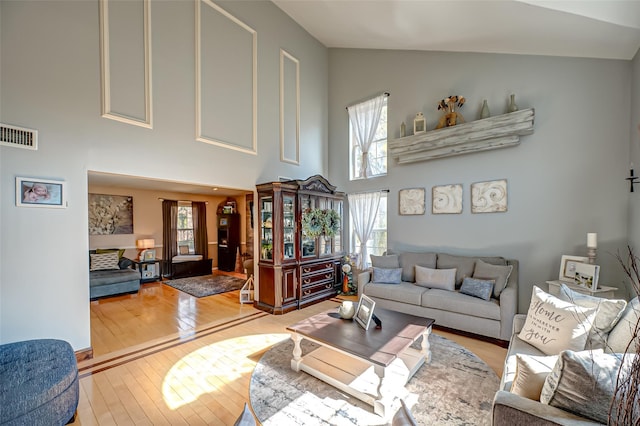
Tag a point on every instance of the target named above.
point(634, 152)
point(565, 180)
point(50, 81)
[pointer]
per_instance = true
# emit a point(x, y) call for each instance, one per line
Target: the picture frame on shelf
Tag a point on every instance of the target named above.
point(364, 312)
point(586, 275)
point(568, 267)
point(35, 192)
point(149, 254)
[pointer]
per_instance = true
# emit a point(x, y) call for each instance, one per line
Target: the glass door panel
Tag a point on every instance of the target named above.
point(308, 244)
point(266, 230)
point(288, 226)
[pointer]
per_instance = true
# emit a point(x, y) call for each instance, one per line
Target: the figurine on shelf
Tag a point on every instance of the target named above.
point(451, 116)
point(419, 124)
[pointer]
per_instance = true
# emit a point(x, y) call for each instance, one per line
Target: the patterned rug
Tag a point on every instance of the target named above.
point(456, 388)
point(206, 285)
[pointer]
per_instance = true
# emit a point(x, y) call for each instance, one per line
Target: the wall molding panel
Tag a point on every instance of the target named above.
point(226, 89)
point(289, 108)
point(125, 61)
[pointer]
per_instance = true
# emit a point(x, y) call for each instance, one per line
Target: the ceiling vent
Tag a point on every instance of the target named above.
point(18, 137)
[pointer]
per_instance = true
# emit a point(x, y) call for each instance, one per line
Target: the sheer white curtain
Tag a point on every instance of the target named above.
point(363, 208)
point(364, 118)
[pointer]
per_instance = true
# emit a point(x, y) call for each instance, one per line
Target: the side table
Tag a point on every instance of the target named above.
point(150, 270)
point(602, 290)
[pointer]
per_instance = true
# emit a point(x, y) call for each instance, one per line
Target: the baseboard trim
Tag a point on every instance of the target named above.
point(84, 354)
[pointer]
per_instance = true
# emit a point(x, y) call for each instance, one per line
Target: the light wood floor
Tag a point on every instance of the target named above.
point(163, 357)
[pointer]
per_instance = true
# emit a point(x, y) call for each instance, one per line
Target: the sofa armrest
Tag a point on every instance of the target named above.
point(125, 263)
point(518, 323)
point(508, 307)
point(511, 409)
point(364, 278)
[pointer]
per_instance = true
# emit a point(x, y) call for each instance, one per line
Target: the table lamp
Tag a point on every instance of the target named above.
point(144, 244)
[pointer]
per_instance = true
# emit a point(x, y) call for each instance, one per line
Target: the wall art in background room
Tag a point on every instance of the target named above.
point(34, 192)
point(489, 197)
point(446, 199)
point(110, 214)
point(412, 201)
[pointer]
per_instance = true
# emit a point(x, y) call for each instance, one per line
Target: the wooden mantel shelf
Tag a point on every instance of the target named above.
point(496, 132)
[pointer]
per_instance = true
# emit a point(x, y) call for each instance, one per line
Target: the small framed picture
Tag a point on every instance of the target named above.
point(33, 192)
point(586, 275)
point(149, 254)
point(568, 267)
point(364, 313)
point(412, 201)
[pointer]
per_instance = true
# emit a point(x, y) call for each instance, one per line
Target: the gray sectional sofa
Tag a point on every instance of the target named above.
point(111, 282)
point(453, 309)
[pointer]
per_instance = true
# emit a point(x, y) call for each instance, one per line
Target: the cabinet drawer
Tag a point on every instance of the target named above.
point(312, 291)
point(315, 268)
point(325, 275)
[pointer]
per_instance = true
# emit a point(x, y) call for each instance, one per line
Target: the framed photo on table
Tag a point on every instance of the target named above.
point(568, 267)
point(586, 275)
point(364, 313)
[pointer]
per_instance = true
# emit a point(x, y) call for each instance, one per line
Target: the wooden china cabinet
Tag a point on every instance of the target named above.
point(296, 270)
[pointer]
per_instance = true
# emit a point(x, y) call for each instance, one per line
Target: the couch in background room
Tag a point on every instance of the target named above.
point(468, 293)
point(110, 274)
point(565, 374)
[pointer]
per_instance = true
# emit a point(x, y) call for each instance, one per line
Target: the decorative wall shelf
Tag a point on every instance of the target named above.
point(496, 132)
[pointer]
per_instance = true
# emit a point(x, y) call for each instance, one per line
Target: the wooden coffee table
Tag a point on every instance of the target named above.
point(374, 365)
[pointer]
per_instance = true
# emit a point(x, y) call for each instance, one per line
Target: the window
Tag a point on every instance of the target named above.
point(185, 226)
point(377, 243)
point(377, 150)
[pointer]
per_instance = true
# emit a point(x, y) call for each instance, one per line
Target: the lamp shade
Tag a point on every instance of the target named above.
point(146, 243)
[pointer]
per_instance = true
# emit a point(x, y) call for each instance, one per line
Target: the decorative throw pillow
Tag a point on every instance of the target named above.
point(386, 275)
point(444, 279)
point(386, 262)
point(608, 313)
point(408, 261)
point(553, 325)
point(488, 271)
point(102, 261)
point(119, 251)
point(463, 264)
point(531, 372)
point(583, 383)
point(477, 288)
point(623, 332)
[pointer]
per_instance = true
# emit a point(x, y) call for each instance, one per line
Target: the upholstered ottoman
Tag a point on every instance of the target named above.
point(38, 383)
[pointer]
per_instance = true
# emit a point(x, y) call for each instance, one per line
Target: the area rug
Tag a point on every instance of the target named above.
point(206, 285)
point(456, 388)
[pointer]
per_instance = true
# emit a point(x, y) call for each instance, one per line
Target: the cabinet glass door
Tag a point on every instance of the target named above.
point(266, 230)
point(288, 226)
point(308, 243)
point(337, 239)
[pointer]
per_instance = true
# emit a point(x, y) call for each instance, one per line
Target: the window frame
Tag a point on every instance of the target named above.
point(377, 146)
point(353, 240)
point(190, 243)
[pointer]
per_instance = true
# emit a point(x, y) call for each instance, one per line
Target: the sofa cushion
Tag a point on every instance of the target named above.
point(487, 271)
point(454, 301)
point(516, 346)
point(408, 260)
point(531, 373)
point(608, 313)
point(390, 261)
point(475, 287)
point(463, 264)
point(403, 292)
point(386, 275)
point(103, 261)
point(553, 325)
point(583, 383)
point(444, 279)
point(622, 333)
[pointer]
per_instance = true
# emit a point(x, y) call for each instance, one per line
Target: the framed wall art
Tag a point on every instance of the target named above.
point(412, 201)
point(489, 197)
point(34, 192)
point(110, 214)
point(568, 267)
point(446, 199)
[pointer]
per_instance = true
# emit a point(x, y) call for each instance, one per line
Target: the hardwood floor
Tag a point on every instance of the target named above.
point(163, 357)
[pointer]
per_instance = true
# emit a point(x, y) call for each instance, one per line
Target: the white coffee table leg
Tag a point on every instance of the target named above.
point(297, 352)
point(426, 346)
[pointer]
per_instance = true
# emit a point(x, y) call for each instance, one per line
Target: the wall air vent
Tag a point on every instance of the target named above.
point(18, 137)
